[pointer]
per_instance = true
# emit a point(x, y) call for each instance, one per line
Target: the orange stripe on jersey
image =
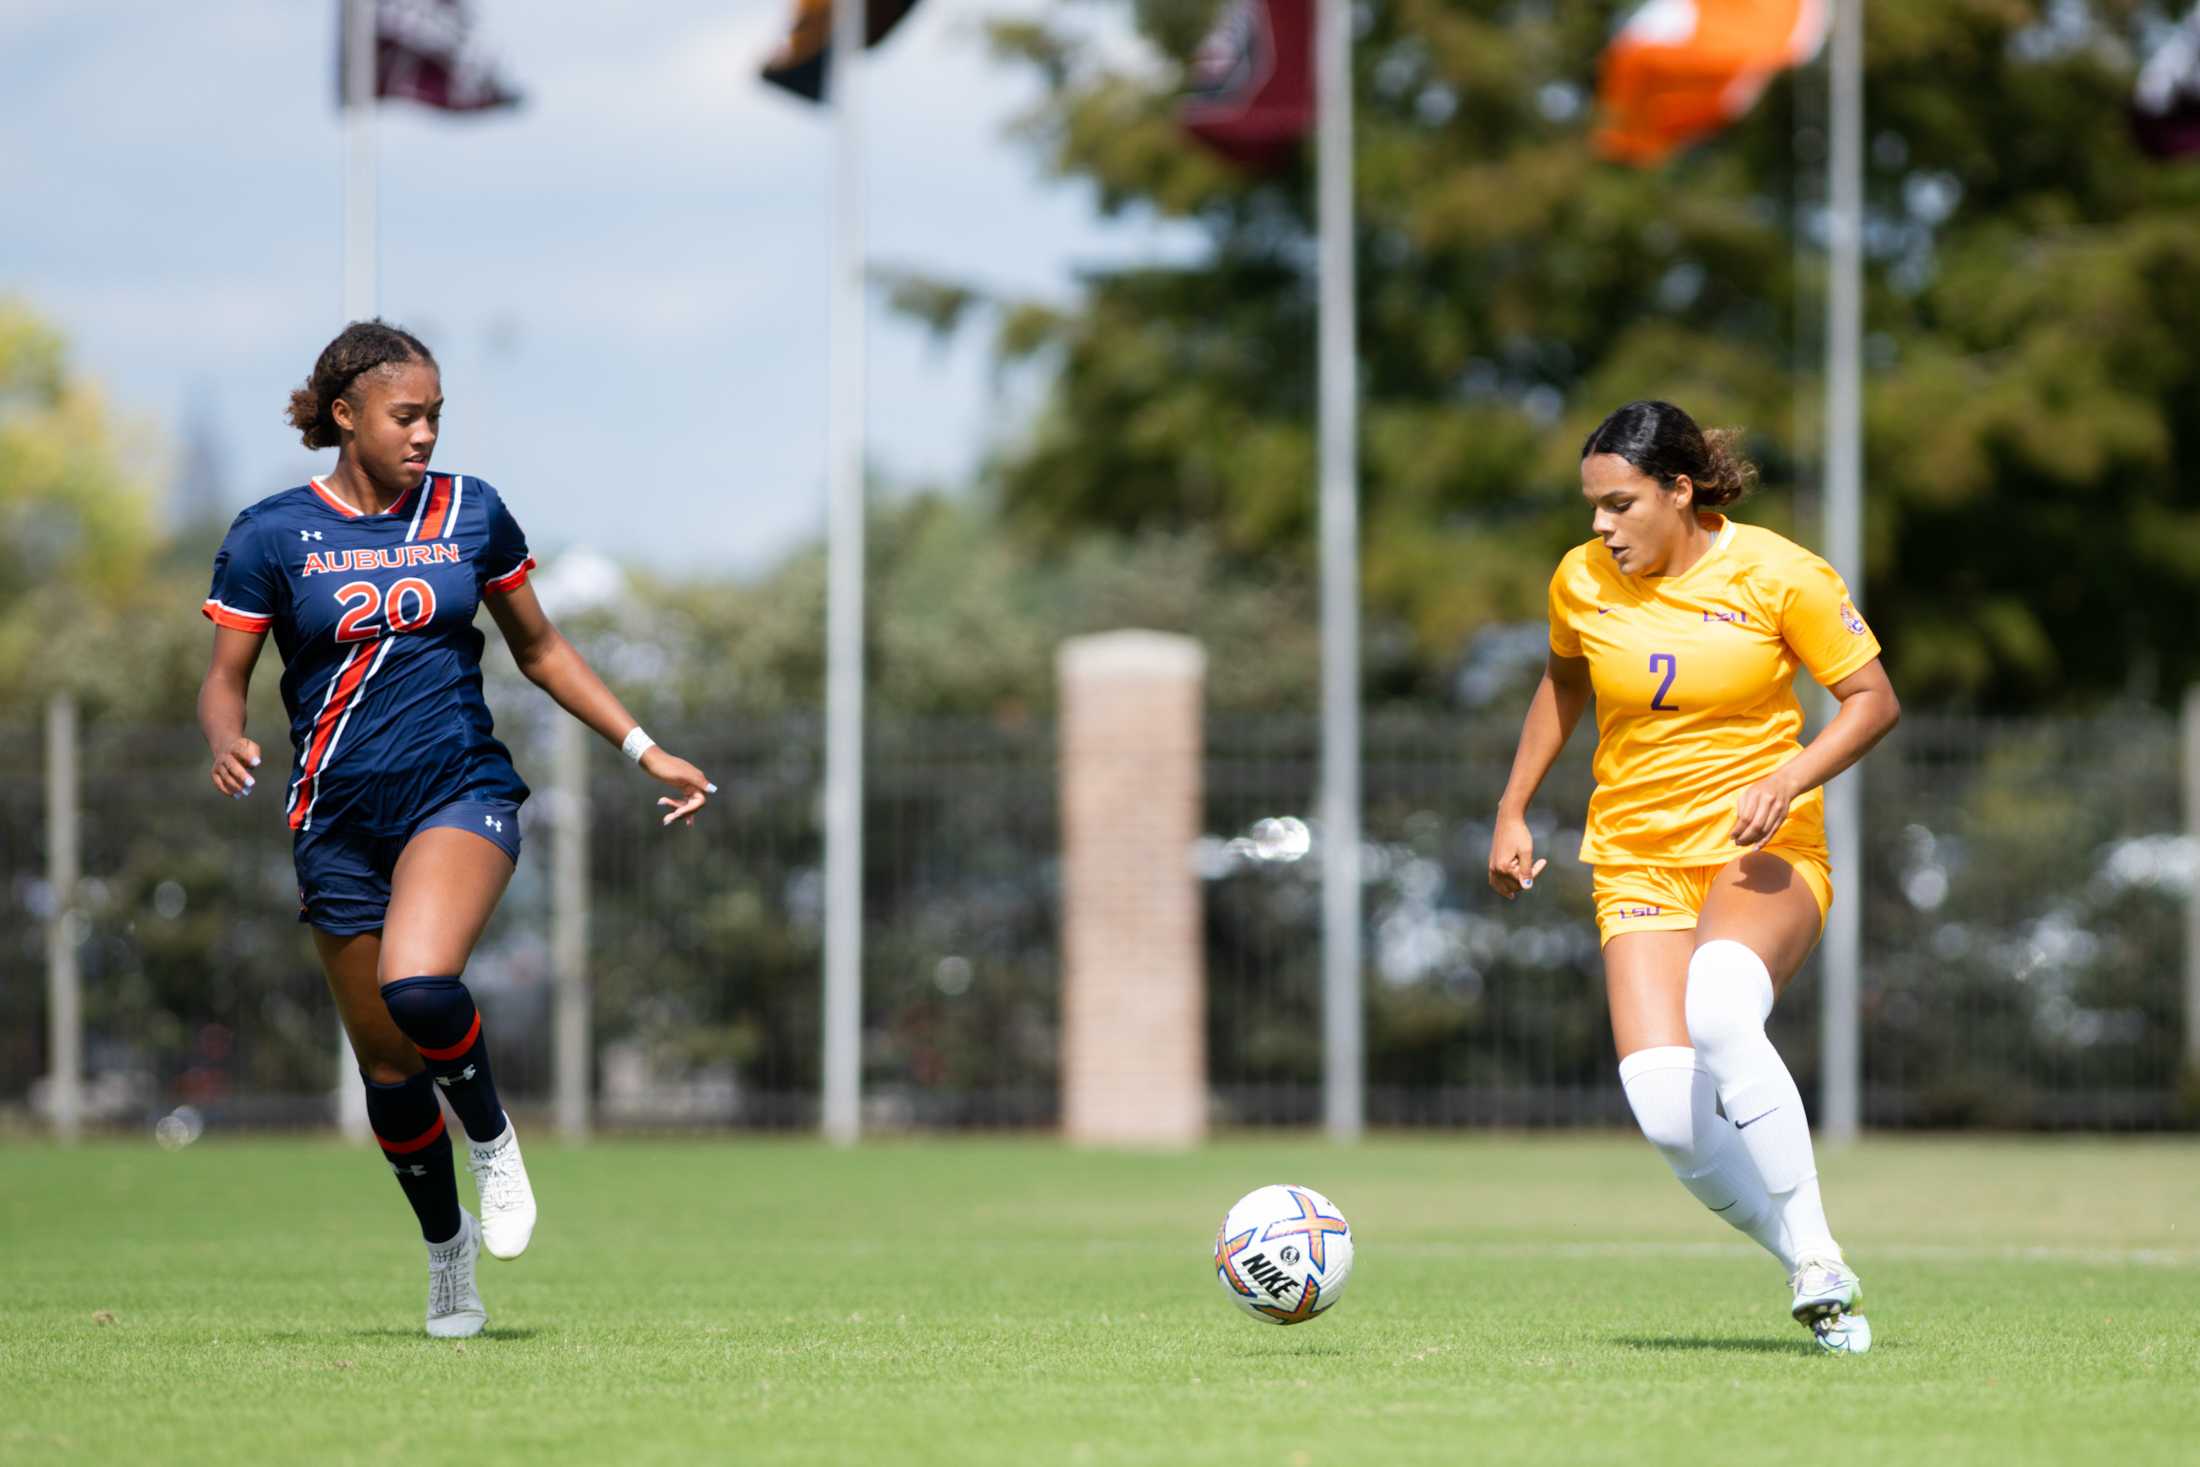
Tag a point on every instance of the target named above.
point(513, 579)
point(406, 1148)
point(328, 497)
point(235, 620)
point(348, 679)
point(431, 522)
point(457, 1049)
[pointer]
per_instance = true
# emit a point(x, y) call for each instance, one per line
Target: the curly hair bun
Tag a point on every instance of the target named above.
point(1663, 442)
point(359, 348)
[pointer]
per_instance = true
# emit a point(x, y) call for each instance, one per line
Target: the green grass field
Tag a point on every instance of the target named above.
point(1516, 1300)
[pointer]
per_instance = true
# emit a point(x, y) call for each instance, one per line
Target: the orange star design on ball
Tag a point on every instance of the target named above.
point(1314, 1223)
point(1226, 1252)
point(1309, 1305)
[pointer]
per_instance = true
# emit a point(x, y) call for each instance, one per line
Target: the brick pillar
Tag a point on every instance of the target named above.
point(1134, 1056)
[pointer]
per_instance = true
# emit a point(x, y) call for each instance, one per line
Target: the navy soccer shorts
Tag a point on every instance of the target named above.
point(344, 875)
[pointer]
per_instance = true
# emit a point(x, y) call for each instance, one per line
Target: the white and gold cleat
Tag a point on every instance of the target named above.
point(1842, 1334)
point(1829, 1302)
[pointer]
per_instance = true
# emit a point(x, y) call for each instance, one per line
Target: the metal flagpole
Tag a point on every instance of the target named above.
point(1344, 1082)
point(359, 297)
point(571, 1047)
point(64, 980)
point(844, 592)
point(1841, 1050)
point(359, 198)
point(2189, 726)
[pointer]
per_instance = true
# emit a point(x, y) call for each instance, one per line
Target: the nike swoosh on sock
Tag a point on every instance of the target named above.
point(1753, 1120)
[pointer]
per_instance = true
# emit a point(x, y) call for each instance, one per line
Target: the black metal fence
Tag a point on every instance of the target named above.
point(2022, 933)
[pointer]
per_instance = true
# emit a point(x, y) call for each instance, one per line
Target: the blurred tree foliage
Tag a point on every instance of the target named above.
point(2033, 296)
point(96, 598)
point(965, 620)
point(82, 602)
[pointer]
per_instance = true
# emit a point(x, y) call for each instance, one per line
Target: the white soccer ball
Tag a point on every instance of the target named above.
point(1284, 1254)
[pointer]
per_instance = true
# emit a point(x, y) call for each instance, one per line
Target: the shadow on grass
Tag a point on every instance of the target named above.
point(489, 1336)
point(1293, 1349)
point(1739, 1344)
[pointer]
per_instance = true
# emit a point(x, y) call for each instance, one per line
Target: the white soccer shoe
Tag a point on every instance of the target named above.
point(1843, 1334)
point(1829, 1301)
point(507, 1200)
point(454, 1304)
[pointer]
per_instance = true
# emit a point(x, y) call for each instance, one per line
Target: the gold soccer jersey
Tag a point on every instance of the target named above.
point(1694, 677)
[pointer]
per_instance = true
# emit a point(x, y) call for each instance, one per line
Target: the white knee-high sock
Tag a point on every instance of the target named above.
point(1677, 1105)
point(1729, 998)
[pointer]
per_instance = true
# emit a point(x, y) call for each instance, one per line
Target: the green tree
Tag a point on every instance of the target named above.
point(964, 621)
point(2031, 283)
point(89, 598)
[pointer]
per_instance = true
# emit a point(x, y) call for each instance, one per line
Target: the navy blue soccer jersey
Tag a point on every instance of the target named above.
point(374, 617)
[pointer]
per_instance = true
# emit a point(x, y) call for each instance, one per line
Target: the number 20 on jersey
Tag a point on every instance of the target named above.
point(410, 606)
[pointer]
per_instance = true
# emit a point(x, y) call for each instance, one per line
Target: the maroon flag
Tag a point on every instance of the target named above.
point(2165, 105)
point(803, 61)
point(1252, 91)
point(423, 52)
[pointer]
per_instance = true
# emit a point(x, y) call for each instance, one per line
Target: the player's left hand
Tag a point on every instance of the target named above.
point(1763, 810)
point(695, 790)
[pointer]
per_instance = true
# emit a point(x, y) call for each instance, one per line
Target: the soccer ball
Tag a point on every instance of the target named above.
point(1283, 1254)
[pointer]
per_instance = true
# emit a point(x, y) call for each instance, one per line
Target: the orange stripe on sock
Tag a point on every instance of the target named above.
point(457, 1049)
point(425, 1138)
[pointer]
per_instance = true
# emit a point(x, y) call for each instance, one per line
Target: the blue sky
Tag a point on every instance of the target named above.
point(625, 280)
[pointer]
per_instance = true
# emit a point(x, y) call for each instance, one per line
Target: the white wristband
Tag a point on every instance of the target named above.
point(636, 744)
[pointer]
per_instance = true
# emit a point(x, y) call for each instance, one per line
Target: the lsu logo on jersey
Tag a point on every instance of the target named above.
point(1851, 620)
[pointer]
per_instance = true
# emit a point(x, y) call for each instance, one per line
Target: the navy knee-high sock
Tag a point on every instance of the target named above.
point(416, 1144)
point(439, 1017)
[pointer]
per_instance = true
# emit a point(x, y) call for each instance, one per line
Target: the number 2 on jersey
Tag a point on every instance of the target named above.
point(1671, 667)
point(362, 599)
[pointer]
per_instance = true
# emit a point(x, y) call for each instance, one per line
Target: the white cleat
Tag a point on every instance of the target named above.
point(1829, 1301)
point(1842, 1334)
point(454, 1304)
point(507, 1199)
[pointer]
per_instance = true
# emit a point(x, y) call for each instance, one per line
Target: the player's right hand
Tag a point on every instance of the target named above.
point(233, 768)
point(1513, 866)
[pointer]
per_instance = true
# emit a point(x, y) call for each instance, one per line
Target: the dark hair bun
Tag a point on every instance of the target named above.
point(358, 349)
point(1663, 442)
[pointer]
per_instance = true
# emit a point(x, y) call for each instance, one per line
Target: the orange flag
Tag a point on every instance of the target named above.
point(1680, 70)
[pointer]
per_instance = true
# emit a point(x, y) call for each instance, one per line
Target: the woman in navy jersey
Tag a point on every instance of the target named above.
point(402, 804)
